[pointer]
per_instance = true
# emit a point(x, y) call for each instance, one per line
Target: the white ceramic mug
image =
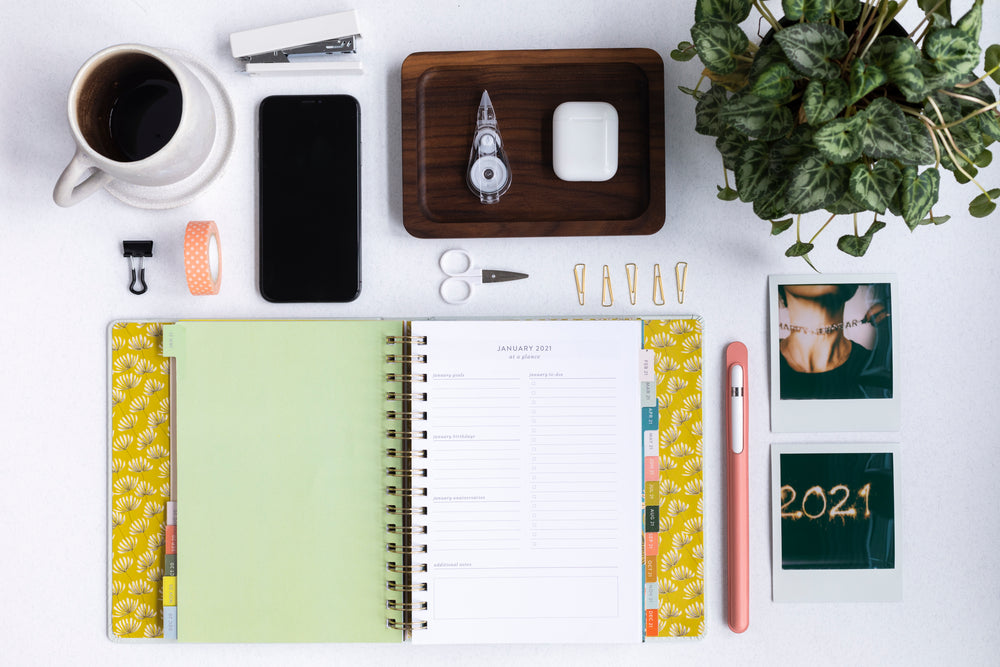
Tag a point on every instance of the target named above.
point(138, 115)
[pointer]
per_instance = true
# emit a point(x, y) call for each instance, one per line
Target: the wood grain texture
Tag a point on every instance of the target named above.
point(440, 96)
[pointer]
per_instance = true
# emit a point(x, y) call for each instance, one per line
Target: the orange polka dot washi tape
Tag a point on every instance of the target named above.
point(202, 257)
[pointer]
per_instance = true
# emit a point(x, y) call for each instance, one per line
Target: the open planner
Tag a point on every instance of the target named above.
point(429, 481)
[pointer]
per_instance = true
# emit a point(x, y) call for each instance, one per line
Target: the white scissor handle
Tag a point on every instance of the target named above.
point(457, 265)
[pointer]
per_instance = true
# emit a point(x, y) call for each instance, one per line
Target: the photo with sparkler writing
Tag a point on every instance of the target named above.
point(837, 511)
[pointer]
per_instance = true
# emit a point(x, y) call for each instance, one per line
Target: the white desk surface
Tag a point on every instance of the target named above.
point(62, 279)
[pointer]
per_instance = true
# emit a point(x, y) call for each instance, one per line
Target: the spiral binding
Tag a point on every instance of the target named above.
point(402, 489)
point(399, 396)
point(403, 472)
point(411, 588)
point(406, 340)
point(393, 529)
point(406, 358)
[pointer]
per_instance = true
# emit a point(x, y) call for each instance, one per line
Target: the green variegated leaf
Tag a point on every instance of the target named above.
point(816, 183)
point(684, 52)
point(718, 44)
point(734, 11)
point(920, 150)
point(972, 22)
point(752, 173)
point(706, 112)
point(883, 130)
point(993, 62)
point(864, 79)
point(990, 125)
point(952, 53)
point(773, 203)
point(814, 48)
point(918, 193)
point(775, 83)
point(938, 7)
point(988, 121)
point(823, 100)
point(789, 151)
point(950, 108)
point(756, 117)
point(846, 205)
point(839, 140)
point(984, 204)
point(730, 145)
point(858, 245)
point(899, 58)
point(811, 10)
point(847, 10)
point(767, 55)
point(969, 142)
point(778, 226)
point(799, 249)
point(875, 188)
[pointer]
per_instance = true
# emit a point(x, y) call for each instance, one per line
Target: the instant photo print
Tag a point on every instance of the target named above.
point(834, 526)
point(832, 365)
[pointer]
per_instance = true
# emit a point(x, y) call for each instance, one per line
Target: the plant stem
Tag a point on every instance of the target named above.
point(943, 129)
point(930, 130)
point(766, 13)
point(986, 108)
point(955, 158)
point(926, 19)
point(824, 227)
point(855, 224)
point(979, 80)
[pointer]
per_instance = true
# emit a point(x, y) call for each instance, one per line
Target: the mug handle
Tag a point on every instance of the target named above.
point(70, 189)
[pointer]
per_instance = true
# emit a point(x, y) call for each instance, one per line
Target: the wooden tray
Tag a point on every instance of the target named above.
point(440, 96)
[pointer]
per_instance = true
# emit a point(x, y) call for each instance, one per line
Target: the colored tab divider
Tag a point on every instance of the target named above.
point(170, 573)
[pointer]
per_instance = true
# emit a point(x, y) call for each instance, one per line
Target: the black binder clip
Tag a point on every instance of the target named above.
point(138, 249)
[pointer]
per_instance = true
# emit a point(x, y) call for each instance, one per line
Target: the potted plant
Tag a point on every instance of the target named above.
point(841, 109)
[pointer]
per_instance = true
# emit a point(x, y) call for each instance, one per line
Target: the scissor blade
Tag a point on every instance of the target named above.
point(494, 276)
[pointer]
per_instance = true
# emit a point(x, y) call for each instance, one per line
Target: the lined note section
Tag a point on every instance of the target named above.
point(533, 470)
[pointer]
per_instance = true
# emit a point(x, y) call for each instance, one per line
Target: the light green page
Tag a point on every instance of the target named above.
point(280, 487)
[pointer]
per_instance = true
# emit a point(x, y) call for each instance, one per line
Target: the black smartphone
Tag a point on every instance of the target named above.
point(309, 214)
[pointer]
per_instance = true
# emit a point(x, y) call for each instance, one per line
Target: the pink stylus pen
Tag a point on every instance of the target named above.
point(737, 487)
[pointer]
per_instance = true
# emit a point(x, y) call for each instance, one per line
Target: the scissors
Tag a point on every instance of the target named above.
point(457, 265)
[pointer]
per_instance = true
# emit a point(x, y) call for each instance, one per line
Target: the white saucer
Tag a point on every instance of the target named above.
point(182, 192)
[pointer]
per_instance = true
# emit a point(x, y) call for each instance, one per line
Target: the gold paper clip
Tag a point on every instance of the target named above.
point(580, 274)
point(658, 299)
point(682, 277)
point(607, 296)
point(630, 277)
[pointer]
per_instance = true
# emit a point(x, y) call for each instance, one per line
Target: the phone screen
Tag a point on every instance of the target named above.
point(310, 198)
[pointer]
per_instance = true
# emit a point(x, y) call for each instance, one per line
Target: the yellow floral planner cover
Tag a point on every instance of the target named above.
point(674, 546)
point(139, 460)
point(140, 477)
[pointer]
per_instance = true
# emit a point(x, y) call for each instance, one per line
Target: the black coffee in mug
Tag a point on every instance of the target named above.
point(133, 108)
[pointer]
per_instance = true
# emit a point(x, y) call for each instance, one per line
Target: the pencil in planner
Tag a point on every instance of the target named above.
point(301, 493)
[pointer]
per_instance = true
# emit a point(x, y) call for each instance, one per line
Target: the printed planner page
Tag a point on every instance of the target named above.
point(534, 471)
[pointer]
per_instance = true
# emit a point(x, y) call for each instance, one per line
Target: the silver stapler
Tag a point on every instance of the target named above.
point(322, 44)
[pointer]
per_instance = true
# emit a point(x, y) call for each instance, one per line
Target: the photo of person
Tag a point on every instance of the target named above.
point(835, 341)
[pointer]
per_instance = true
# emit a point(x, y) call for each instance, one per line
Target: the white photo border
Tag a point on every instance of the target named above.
point(827, 415)
point(815, 585)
